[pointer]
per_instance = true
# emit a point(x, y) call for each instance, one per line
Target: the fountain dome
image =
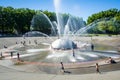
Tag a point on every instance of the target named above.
point(63, 44)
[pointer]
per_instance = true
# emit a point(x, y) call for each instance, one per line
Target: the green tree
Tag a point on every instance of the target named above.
point(41, 23)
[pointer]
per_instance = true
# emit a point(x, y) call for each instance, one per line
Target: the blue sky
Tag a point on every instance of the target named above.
point(81, 8)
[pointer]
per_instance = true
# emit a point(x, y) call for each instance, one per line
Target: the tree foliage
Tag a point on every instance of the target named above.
point(103, 14)
point(110, 21)
point(19, 20)
point(15, 20)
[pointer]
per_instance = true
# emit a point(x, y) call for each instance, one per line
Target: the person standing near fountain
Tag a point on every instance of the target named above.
point(35, 41)
point(92, 47)
point(29, 42)
point(11, 54)
point(97, 68)
point(24, 43)
point(16, 43)
point(18, 56)
point(1, 55)
point(73, 53)
point(62, 67)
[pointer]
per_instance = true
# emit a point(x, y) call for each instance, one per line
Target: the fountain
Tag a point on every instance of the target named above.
point(64, 41)
point(67, 48)
point(62, 48)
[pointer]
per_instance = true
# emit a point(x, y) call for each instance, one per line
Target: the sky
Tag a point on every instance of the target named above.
point(81, 8)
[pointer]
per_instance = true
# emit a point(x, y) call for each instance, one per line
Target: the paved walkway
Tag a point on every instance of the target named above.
point(7, 73)
point(11, 74)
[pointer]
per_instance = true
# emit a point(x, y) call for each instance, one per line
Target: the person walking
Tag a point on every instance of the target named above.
point(62, 67)
point(97, 68)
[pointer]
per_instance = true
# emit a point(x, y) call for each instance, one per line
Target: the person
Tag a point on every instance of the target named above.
point(29, 42)
point(97, 68)
point(62, 67)
point(18, 56)
point(73, 53)
point(5, 46)
point(35, 41)
point(24, 43)
point(1, 55)
point(16, 43)
point(11, 54)
point(21, 42)
point(110, 60)
point(92, 47)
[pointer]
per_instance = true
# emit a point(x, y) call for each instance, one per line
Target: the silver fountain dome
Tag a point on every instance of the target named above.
point(63, 44)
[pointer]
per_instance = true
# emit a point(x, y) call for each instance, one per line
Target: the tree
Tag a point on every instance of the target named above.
point(41, 23)
point(108, 21)
point(102, 14)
